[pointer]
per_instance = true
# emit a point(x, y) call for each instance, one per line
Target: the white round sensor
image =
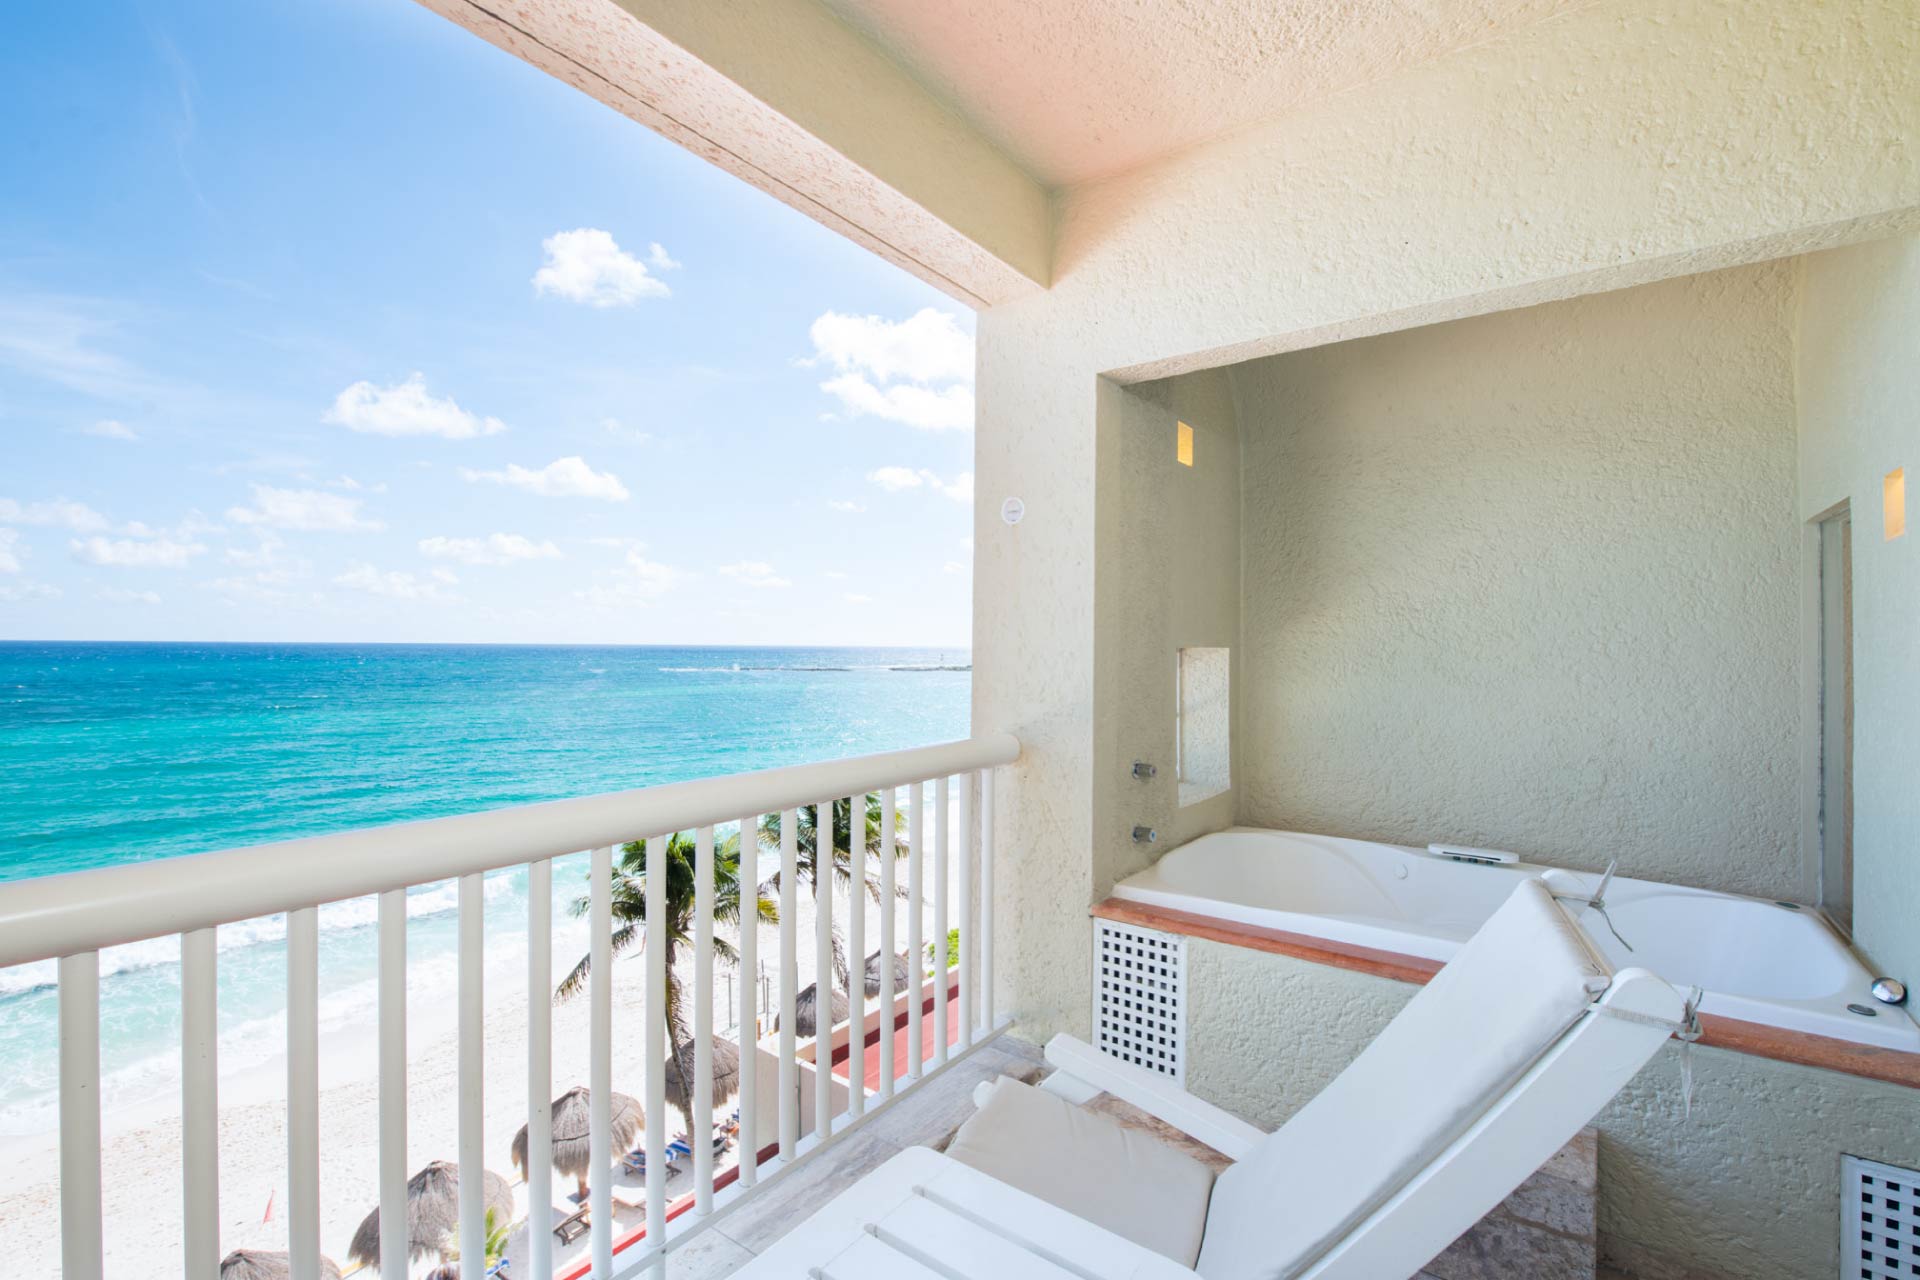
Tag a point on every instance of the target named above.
point(1012, 510)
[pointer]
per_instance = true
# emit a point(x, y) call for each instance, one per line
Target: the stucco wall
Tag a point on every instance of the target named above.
point(1859, 401)
point(1531, 581)
point(1167, 575)
point(1619, 143)
point(1744, 1188)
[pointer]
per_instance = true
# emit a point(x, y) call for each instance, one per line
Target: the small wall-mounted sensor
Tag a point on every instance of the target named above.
point(1893, 499)
point(1013, 510)
point(1143, 771)
point(1145, 835)
point(1183, 444)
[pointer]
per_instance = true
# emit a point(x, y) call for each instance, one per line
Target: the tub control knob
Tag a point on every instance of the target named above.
point(1889, 991)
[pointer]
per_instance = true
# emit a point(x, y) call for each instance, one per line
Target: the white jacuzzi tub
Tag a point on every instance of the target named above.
point(1758, 961)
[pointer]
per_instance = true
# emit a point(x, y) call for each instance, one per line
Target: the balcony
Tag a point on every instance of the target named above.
point(898, 1060)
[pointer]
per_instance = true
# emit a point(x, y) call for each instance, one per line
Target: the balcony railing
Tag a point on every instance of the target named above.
point(69, 918)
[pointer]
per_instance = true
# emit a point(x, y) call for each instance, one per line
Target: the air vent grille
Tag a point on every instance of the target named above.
point(1139, 1013)
point(1880, 1221)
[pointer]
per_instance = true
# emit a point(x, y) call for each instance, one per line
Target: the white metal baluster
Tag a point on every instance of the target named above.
point(857, 957)
point(789, 982)
point(600, 1055)
point(81, 1254)
point(941, 788)
point(823, 871)
point(700, 1132)
point(749, 875)
point(889, 906)
point(964, 883)
point(472, 1073)
point(986, 899)
point(656, 1015)
point(392, 1055)
point(303, 1093)
point(539, 1066)
point(199, 1103)
point(916, 950)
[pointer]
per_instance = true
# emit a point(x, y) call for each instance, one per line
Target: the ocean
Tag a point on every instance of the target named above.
point(119, 753)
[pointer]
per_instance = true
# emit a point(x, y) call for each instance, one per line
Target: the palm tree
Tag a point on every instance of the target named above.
point(807, 863)
point(630, 917)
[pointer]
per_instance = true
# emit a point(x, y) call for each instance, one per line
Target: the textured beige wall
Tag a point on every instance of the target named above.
point(1167, 576)
point(1859, 399)
point(1619, 143)
point(1744, 1188)
point(1531, 581)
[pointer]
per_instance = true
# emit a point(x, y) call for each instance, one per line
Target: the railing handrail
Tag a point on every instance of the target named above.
point(81, 911)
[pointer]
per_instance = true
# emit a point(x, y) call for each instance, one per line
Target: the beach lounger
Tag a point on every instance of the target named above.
point(1484, 1075)
point(572, 1227)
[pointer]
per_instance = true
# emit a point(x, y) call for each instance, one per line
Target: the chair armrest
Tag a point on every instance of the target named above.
point(1156, 1095)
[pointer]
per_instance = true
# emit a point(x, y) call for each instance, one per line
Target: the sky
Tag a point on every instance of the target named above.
point(326, 320)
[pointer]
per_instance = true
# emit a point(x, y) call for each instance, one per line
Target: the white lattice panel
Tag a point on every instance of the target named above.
point(1139, 999)
point(1880, 1221)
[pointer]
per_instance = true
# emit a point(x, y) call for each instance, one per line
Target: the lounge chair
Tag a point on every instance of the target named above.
point(1488, 1071)
point(572, 1227)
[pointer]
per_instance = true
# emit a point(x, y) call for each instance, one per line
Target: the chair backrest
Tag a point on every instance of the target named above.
point(1509, 995)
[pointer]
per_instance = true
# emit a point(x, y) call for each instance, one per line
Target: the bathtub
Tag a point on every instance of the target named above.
point(1763, 962)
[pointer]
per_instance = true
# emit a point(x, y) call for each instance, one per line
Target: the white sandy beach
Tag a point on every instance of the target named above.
point(141, 1156)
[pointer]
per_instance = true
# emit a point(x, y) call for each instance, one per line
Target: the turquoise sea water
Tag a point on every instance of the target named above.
point(115, 753)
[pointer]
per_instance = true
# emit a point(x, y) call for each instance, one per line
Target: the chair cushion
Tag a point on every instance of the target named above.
point(1114, 1177)
point(1501, 1003)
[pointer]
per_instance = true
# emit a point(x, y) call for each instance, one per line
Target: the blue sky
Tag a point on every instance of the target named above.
point(326, 320)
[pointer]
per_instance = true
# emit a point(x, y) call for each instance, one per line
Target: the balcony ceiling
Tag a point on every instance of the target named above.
point(1074, 90)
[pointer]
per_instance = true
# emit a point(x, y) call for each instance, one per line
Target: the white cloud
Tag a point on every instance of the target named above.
point(614, 427)
point(917, 371)
point(659, 259)
point(947, 409)
point(562, 478)
point(354, 486)
point(854, 597)
point(585, 265)
point(847, 506)
point(753, 573)
point(896, 479)
point(117, 595)
point(900, 479)
point(261, 588)
point(29, 591)
point(303, 510)
point(76, 517)
point(495, 548)
point(929, 346)
point(109, 429)
point(132, 553)
point(953, 566)
point(391, 584)
point(265, 552)
point(9, 558)
point(406, 409)
point(642, 580)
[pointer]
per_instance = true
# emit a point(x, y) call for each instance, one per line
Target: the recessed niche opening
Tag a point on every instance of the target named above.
point(1203, 730)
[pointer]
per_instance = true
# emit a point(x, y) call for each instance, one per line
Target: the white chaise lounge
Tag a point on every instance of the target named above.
point(1489, 1070)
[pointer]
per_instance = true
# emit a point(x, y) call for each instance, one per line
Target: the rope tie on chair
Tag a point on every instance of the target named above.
point(1686, 1031)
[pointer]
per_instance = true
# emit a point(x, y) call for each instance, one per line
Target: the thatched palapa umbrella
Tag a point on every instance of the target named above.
point(726, 1083)
point(805, 1009)
point(433, 1212)
point(902, 975)
point(258, 1264)
point(572, 1133)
